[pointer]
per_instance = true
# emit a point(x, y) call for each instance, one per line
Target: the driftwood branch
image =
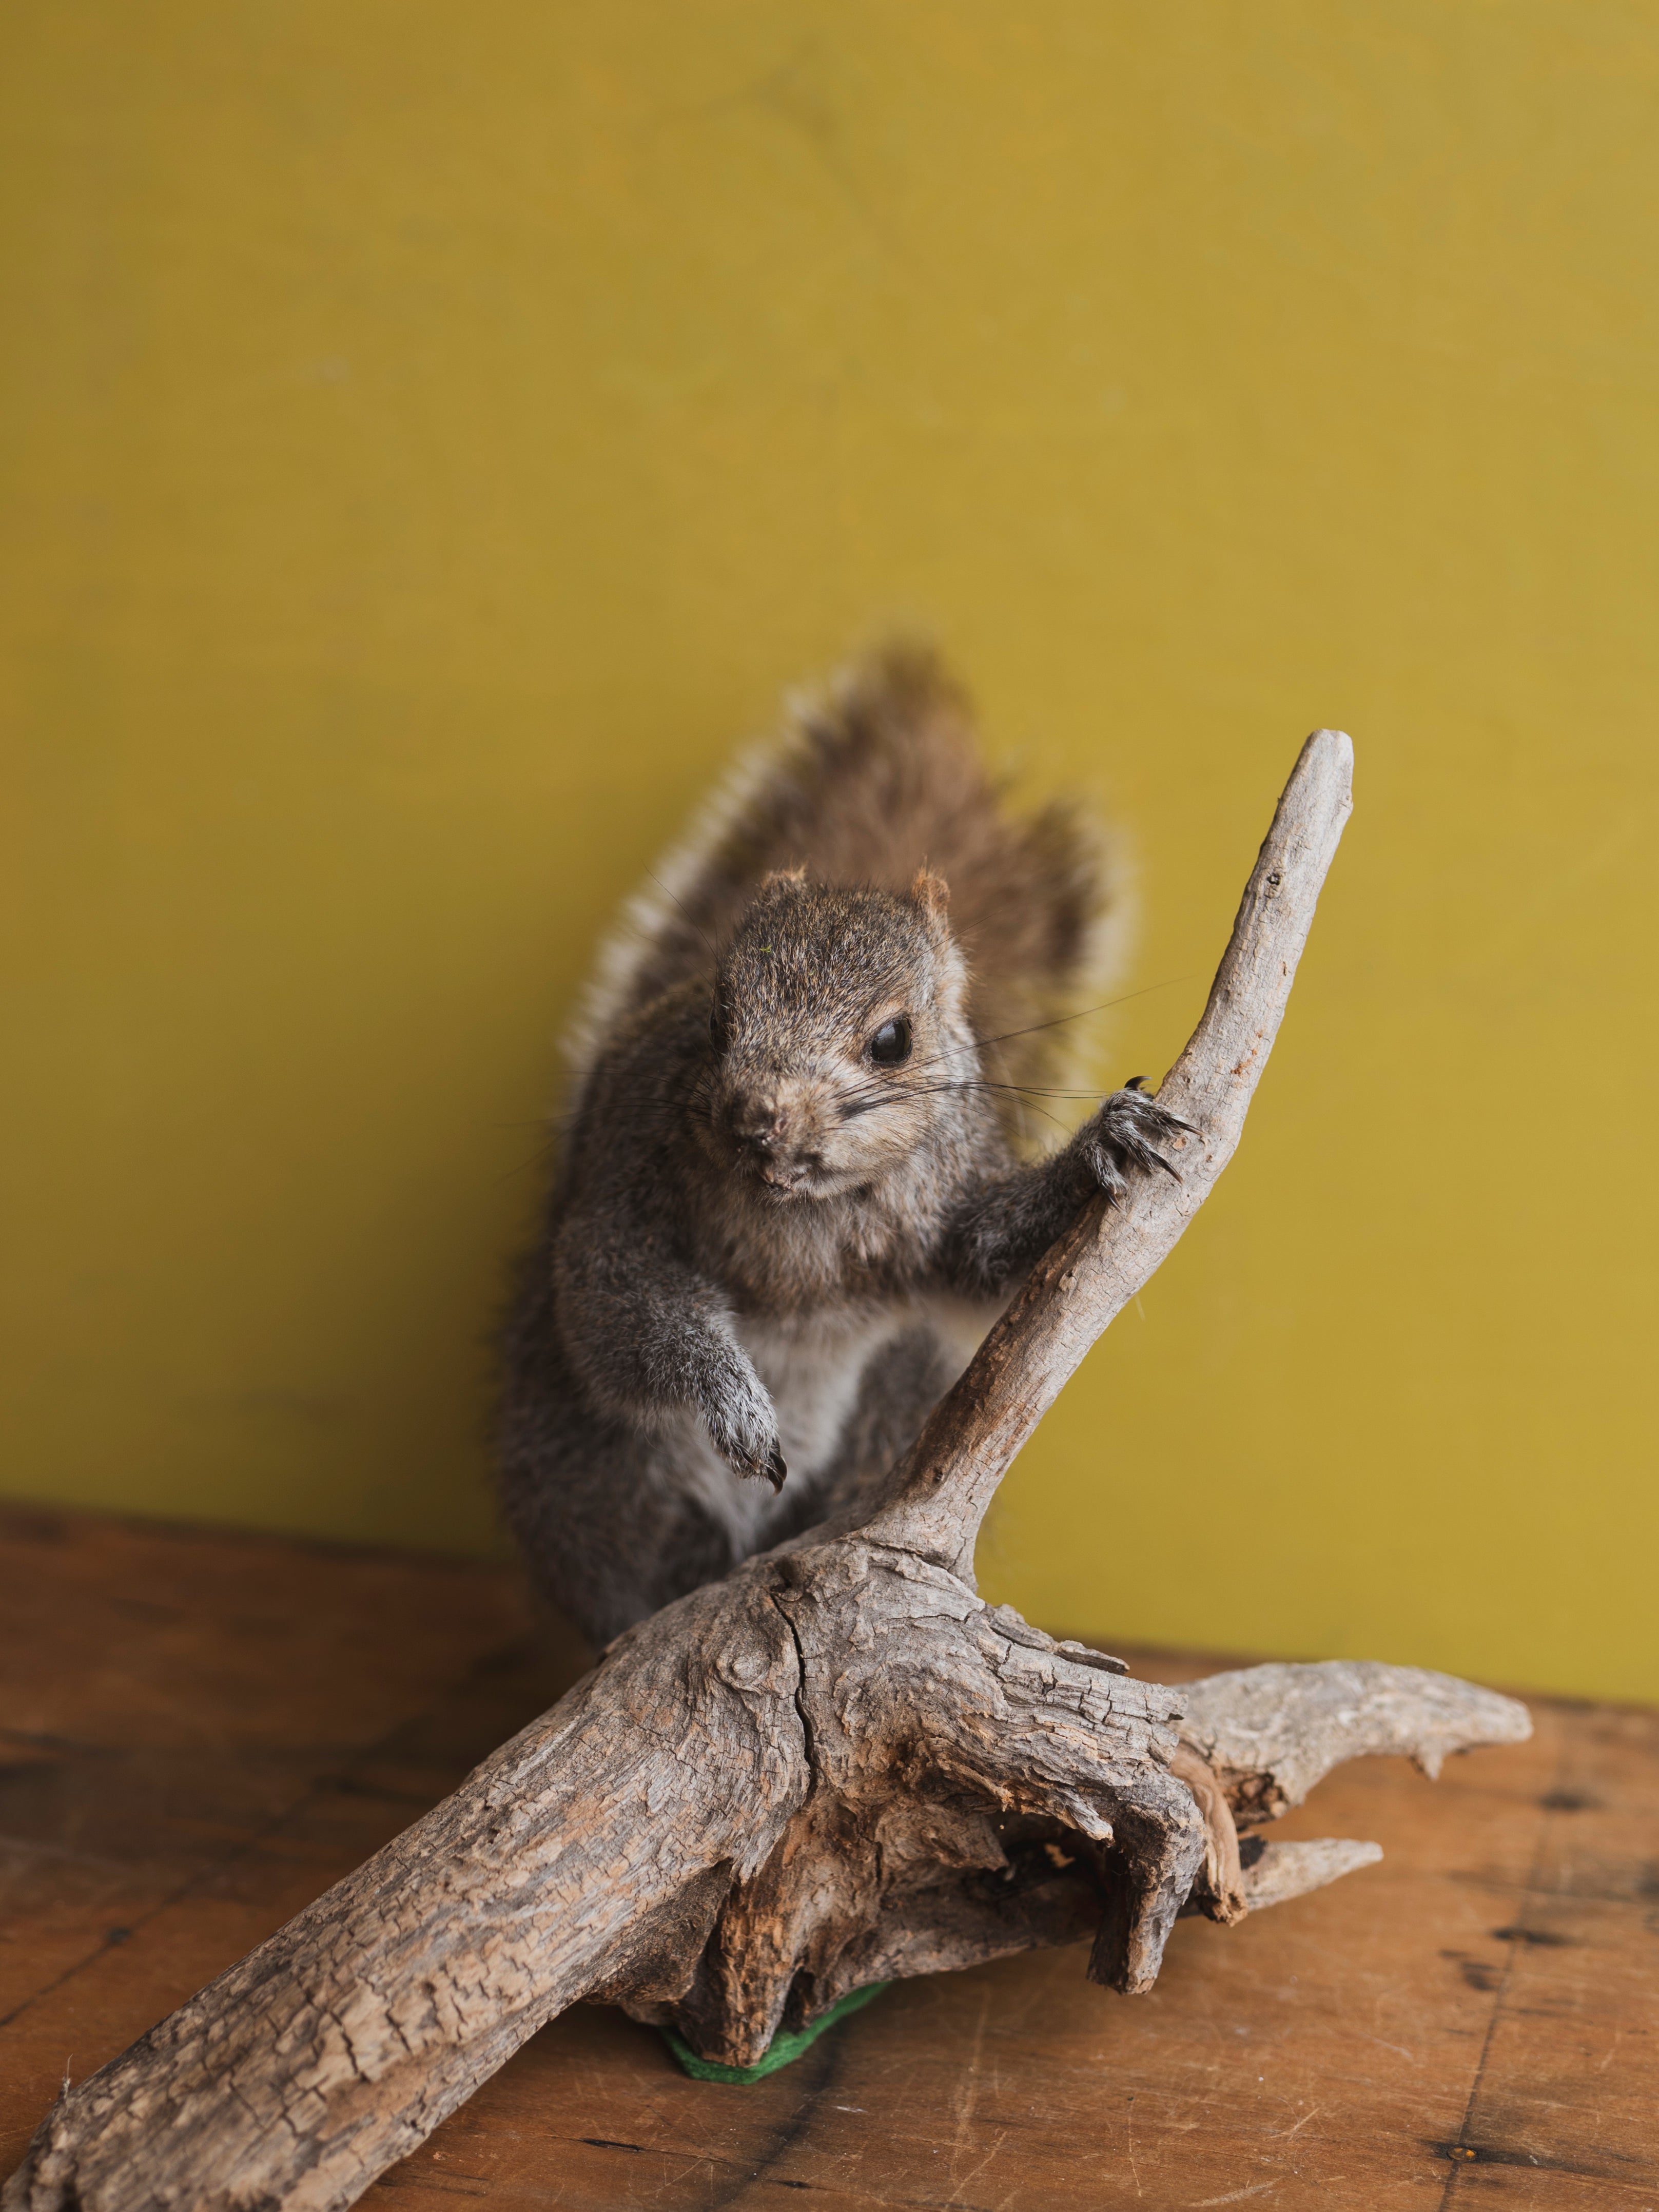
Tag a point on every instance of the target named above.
point(941, 1491)
point(837, 1767)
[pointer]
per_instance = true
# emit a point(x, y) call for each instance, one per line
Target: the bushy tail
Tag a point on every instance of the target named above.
point(872, 779)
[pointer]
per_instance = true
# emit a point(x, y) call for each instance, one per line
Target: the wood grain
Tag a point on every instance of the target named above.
point(834, 1768)
point(939, 1494)
point(203, 1732)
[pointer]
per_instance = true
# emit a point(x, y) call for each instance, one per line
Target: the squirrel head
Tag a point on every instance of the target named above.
point(839, 1036)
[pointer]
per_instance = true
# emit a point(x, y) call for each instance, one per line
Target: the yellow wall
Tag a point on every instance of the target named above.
point(433, 436)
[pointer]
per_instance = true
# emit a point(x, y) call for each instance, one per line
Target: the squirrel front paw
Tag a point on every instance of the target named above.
point(1126, 1133)
point(743, 1425)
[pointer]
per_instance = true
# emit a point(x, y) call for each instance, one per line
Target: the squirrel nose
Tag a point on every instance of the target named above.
point(762, 1124)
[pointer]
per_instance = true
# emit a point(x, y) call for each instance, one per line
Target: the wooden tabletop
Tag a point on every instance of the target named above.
point(199, 1732)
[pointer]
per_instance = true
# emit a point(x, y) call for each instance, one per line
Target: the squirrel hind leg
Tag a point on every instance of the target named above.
point(899, 1388)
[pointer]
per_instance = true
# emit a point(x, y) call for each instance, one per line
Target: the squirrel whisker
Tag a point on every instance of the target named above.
point(737, 1267)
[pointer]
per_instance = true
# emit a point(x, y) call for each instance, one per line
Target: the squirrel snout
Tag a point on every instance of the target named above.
point(759, 1125)
point(775, 1133)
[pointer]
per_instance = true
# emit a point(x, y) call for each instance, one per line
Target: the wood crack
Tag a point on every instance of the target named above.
point(800, 1780)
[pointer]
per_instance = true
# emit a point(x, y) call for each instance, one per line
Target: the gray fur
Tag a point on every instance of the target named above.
point(760, 1239)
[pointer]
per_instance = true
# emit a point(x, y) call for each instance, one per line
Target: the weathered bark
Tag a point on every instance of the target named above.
point(838, 1766)
point(939, 1493)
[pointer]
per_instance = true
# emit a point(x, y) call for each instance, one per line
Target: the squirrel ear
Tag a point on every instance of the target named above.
point(783, 879)
point(932, 894)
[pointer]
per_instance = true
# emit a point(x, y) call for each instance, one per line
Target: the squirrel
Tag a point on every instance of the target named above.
point(791, 1196)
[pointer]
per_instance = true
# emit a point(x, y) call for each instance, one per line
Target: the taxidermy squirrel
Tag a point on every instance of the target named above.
point(790, 1198)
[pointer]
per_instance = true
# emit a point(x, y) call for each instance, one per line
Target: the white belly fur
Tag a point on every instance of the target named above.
point(812, 1370)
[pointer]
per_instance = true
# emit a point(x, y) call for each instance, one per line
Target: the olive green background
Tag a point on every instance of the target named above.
point(434, 436)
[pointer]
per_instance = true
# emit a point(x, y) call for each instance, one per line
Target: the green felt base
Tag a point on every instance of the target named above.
point(783, 2050)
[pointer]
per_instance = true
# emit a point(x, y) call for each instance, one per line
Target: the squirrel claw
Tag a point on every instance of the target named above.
point(776, 1471)
point(1127, 1123)
point(1138, 1082)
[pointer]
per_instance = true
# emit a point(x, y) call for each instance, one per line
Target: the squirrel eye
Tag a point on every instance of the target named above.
point(892, 1042)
